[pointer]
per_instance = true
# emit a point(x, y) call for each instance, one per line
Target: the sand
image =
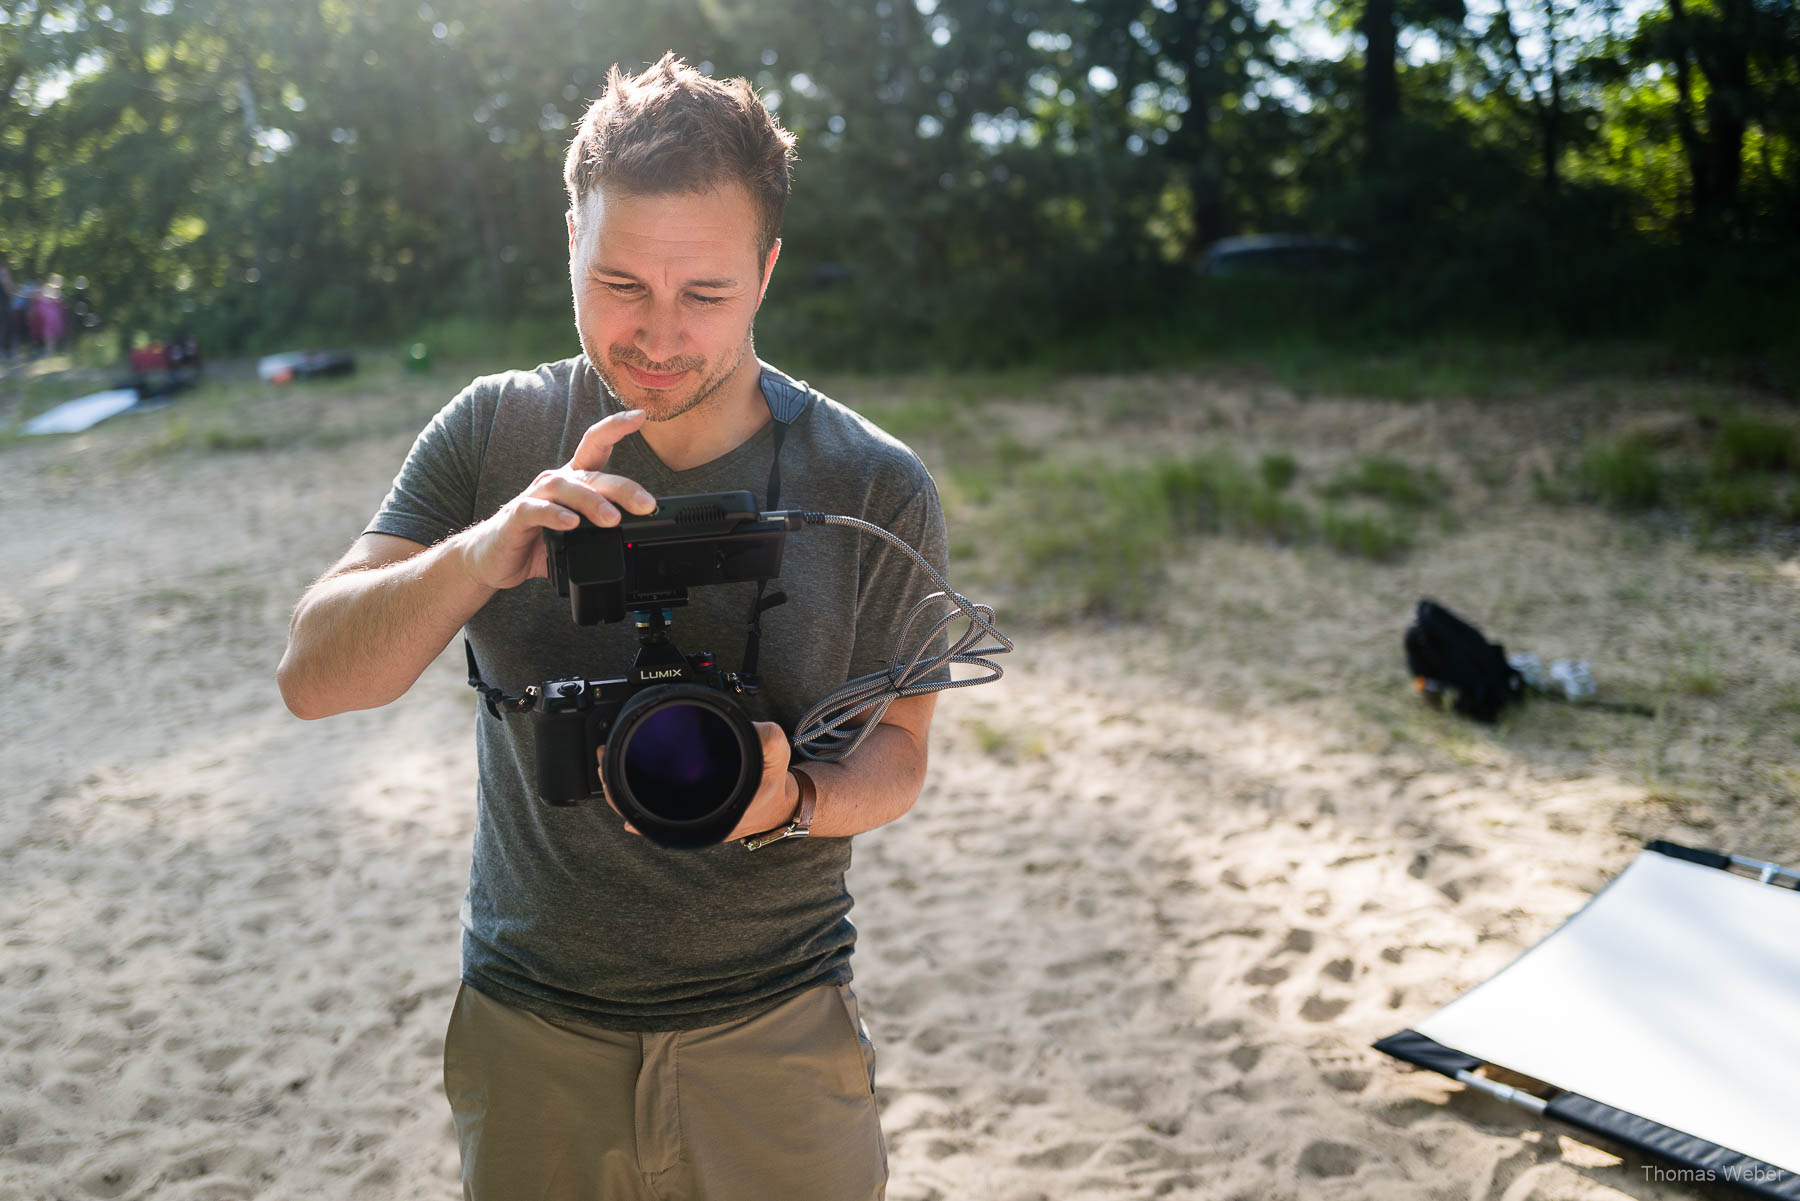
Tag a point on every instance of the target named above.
point(1167, 882)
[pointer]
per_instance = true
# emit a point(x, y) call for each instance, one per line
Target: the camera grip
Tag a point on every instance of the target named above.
point(567, 772)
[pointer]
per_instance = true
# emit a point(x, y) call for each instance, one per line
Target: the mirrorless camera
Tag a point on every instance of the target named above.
point(683, 760)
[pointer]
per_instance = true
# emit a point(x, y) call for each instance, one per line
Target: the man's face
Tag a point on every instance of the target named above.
point(666, 290)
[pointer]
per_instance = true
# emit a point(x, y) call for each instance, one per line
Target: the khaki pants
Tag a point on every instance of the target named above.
point(779, 1106)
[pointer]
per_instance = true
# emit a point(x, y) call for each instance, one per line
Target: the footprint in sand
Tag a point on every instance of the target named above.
point(107, 1179)
point(1325, 1158)
point(1060, 1157)
point(220, 1058)
point(1298, 940)
point(1323, 1009)
point(1220, 1029)
point(1266, 975)
point(68, 1093)
point(50, 1152)
point(1343, 1073)
point(152, 1108)
point(934, 1039)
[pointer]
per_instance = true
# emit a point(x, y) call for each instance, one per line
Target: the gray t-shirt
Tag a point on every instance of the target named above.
point(567, 915)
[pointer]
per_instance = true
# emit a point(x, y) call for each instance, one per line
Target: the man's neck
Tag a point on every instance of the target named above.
point(724, 423)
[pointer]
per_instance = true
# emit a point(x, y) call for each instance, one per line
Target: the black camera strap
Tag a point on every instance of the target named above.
point(787, 399)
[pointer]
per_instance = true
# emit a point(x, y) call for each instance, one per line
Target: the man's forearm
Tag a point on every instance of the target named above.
point(360, 638)
point(876, 784)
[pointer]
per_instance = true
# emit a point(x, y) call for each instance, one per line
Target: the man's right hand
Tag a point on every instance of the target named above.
point(508, 548)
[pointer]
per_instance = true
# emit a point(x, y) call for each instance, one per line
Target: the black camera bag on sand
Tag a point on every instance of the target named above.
point(1444, 652)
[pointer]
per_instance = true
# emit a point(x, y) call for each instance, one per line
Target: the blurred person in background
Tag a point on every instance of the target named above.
point(637, 1022)
point(49, 316)
point(7, 288)
point(19, 316)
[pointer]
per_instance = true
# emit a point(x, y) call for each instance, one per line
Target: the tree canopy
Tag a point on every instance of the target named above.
point(974, 175)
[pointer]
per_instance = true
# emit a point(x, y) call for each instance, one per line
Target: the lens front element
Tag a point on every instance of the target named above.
point(682, 763)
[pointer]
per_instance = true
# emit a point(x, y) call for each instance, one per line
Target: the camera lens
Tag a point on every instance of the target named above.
point(681, 759)
point(683, 763)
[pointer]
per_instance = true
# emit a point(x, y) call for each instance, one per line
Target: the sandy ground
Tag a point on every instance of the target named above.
point(1165, 885)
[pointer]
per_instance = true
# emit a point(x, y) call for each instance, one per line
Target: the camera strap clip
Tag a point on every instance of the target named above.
point(492, 697)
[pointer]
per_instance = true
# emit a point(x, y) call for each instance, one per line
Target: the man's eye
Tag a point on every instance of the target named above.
point(619, 289)
point(698, 299)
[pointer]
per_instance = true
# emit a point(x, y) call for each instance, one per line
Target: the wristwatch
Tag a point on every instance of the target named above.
point(799, 826)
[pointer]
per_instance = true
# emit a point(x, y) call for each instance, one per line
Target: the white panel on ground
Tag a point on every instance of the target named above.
point(1674, 995)
point(71, 417)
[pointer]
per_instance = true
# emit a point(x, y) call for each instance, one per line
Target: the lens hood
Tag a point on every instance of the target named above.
point(682, 763)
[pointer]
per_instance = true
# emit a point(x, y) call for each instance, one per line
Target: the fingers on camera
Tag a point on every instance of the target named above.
point(548, 513)
point(624, 493)
point(576, 496)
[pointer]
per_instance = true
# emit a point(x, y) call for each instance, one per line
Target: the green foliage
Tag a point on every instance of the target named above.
point(980, 184)
point(1367, 535)
point(1216, 494)
point(1099, 539)
point(1736, 497)
point(1697, 674)
point(1389, 480)
point(478, 345)
point(1625, 474)
point(1278, 470)
point(1745, 474)
point(1750, 444)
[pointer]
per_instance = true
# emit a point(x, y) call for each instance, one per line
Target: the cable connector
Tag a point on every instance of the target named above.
point(794, 519)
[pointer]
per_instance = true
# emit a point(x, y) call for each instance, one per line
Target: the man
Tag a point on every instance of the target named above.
point(7, 288)
point(637, 1022)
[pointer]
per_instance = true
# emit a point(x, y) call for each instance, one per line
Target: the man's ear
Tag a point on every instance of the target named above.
point(569, 219)
point(768, 271)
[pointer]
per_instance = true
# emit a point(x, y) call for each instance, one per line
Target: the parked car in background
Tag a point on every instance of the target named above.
point(1279, 254)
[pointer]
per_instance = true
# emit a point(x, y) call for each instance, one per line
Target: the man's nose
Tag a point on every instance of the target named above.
point(660, 335)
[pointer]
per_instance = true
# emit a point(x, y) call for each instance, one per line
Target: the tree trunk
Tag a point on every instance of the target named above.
point(1193, 142)
point(1728, 101)
point(1715, 154)
point(1553, 110)
point(1381, 82)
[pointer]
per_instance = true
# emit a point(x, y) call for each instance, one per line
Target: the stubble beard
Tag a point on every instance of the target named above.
point(667, 408)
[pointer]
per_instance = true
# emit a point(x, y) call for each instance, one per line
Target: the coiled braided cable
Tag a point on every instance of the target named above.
point(824, 732)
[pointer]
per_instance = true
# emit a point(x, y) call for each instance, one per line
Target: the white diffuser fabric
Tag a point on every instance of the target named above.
point(1674, 995)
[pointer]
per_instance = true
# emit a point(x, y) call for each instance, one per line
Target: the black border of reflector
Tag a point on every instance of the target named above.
point(1712, 1163)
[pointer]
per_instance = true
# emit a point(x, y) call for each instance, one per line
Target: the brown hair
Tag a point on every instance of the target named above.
point(671, 130)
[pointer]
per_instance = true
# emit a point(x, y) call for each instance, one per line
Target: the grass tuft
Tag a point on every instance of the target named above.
point(1746, 475)
point(1749, 444)
point(1278, 471)
point(1389, 480)
point(1367, 535)
point(1624, 474)
point(1099, 539)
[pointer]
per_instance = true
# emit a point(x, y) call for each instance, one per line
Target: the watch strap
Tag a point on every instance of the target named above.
point(799, 825)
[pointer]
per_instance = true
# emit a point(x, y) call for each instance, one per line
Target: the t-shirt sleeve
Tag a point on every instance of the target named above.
point(433, 496)
point(890, 583)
